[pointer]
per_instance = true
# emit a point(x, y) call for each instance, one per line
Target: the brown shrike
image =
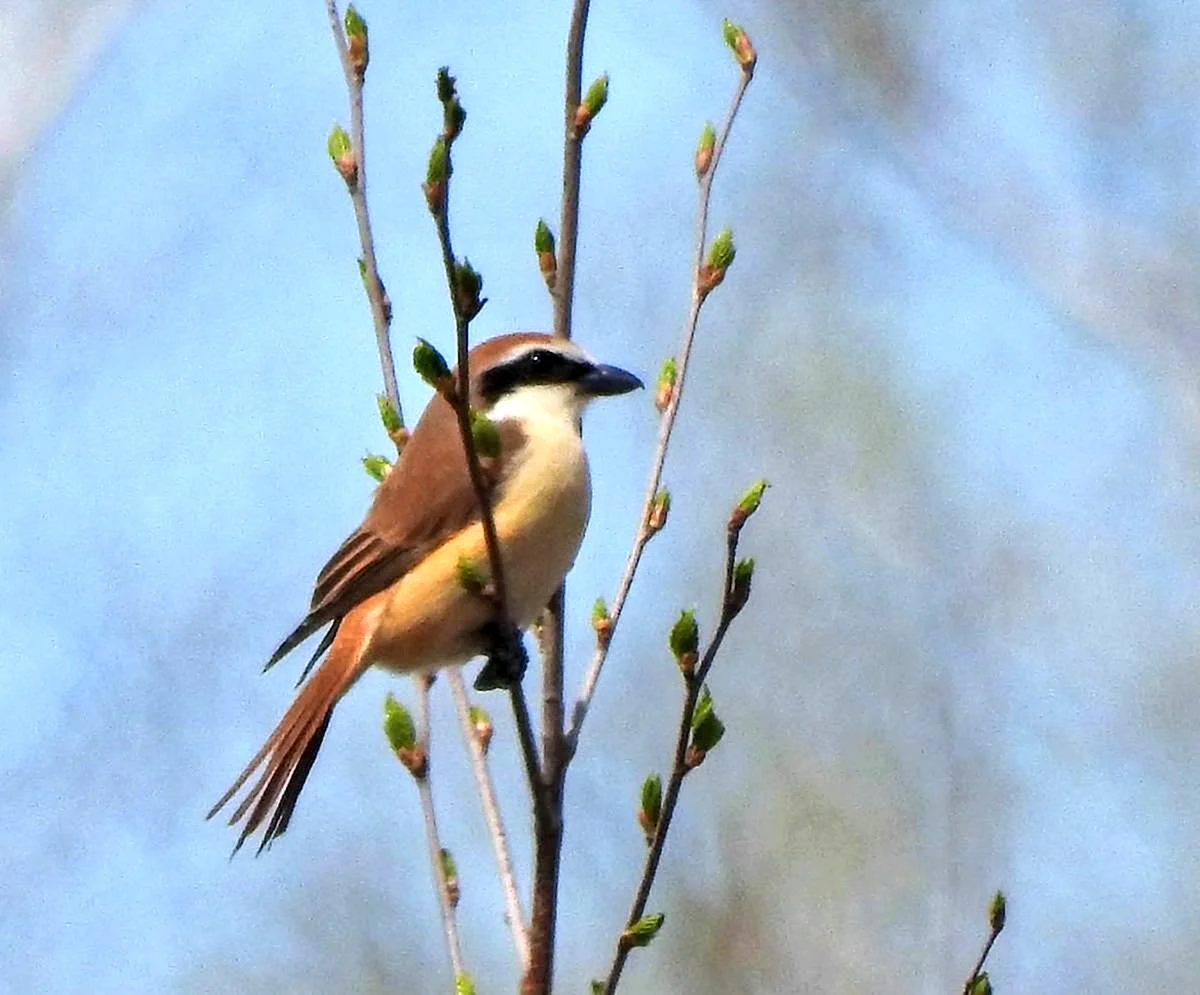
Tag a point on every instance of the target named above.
point(391, 594)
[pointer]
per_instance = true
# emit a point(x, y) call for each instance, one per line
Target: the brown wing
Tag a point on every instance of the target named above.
point(427, 496)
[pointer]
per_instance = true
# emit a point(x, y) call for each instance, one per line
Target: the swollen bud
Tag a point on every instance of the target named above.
point(707, 730)
point(747, 505)
point(651, 807)
point(685, 641)
point(481, 723)
point(356, 38)
point(437, 175)
point(470, 575)
point(998, 912)
point(593, 101)
point(398, 725)
point(467, 285)
point(980, 985)
point(388, 414)
point(602, 622)
point(377, 466)
point(739, 42)
point(543, 245)
point(664, 389)
point(485, 436)
point(432, 368)
point(739, 591)
point(643, 931)
point(464, 984)
point(720, 257)
point(450, 873)
point(705, 149)
point(660, 508)
point(342, 153)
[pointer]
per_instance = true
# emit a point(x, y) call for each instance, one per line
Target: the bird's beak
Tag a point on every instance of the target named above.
point(607, 381)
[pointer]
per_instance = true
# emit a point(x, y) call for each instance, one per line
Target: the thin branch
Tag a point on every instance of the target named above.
point(548, 824)
point(680, 765)
point(377, 296)
point(445, 900)
point(491, 814)
point(667, 424)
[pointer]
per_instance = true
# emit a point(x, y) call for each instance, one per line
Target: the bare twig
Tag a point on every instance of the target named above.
point(548, 824)
point(667, 424)
point(491, 814)
point(381, 307)
point(681, 764)
point(424, 789)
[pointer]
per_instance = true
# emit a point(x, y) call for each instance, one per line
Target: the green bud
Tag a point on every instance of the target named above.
point(481, 722)
point(388, 414)
point(471, 575)
point(739, 592)
point(597, 987)
point(705, 148)
point(722, 251)
point(338, 143)
point(377, 466)
point(430, 365)
point(651, 808)
point(660, 508)
point(439, 169)
point(747, 505)
point(740, 44)
point(602, 622)
point(464, 985)
point(980, 985)
point(356, 37)
point(543, 238)
point(597, 95)
point(445, 85)
point(998, 912)
point(398, 725)
point(467, 285)
point(707, 729)
point(643, 931)
point(485, 436)
point(449, 868)
point(664, 390)
point(685, 641)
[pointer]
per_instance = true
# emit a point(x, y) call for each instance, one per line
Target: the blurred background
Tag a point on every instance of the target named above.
point(960, 339)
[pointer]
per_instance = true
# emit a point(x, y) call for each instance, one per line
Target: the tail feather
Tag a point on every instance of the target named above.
point(286, 758)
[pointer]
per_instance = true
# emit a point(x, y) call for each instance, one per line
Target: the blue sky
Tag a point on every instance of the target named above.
point(975, 620)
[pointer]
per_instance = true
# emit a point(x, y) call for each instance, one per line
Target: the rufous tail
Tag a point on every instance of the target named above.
point(288, 754)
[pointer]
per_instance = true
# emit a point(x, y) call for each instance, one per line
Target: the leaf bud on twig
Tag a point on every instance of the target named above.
point(593, 102)
point(467, 285)
point(377, 466)
point(707, 730)
point(685, 642)
point(464, 984)
point(664, 390)
point(998, 912)
point(720, 257)
point(481, 723)
point(432, 368)
point(356, 38)
point(651, 807)
point(471, 575)
point(485, 436)
point(543, 245)
point(980, 984)
point(437, 175)
point(342, 153)
point(602, 622)
point(741, 45)
point(643, 931)
point(402, 737)
point(747, 505)
point(660, 508)
point(705, 149)
point(450, 873)
point(739, 591)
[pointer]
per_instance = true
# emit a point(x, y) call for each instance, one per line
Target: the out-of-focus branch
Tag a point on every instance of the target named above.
point(354, 56)
point(708, 157)
point(477, 740)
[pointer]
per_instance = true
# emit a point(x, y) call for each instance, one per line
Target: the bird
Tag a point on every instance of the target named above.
point(393, 596)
